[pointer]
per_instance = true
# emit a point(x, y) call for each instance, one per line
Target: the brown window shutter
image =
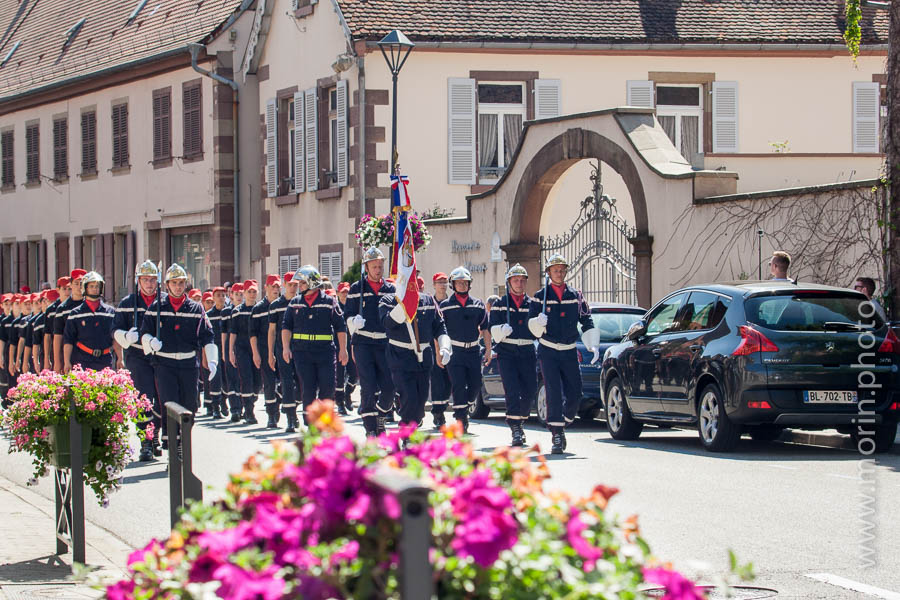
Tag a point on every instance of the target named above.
point(108, 271)
point(89, 142)
point(62, 258)
point(21, 265)
point(193, 127)
point(61, 149)
point(8, 155)
point(130, 264)
point(120, 135)
point(42, 263)
point(32, 153)
point(79, 252)
point(162, 124)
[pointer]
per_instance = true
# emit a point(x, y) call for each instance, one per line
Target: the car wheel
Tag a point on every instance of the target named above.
point(619, 420)
point(765, 433)
point(478, 409)
point(884, 437)
point(541, 405)
point(717, 432)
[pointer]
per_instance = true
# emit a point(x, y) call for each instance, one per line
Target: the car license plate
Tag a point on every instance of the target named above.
point(829, 397)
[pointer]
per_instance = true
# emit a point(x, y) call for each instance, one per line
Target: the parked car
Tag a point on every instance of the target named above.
point(612, 319)
point(755, 358)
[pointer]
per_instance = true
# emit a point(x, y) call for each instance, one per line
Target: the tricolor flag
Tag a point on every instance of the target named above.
point(403, 258)
point(399, 206)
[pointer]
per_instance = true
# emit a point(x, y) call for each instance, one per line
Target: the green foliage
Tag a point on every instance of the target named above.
point(352, 274)
point(780, 147)
point(853, 31)
point(437, 212)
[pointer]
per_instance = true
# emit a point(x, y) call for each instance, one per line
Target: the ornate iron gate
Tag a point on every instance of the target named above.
point(597, 246)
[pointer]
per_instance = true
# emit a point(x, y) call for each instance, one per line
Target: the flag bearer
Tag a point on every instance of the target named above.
point(285, 369)
point(515, 351)
point(370, 342)
point(242, 354)
point(259, 340)
point(345, 377)
point(218, 400)
point(88, 335)
point(466, 321)
point(311, 323)
point(126, 329)
point(555, 313)
point(232, 378)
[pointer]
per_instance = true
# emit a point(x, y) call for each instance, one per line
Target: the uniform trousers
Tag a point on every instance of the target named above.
point(374, 377)
point(440, 390)
point(177, 384)
point(413, 388)
point(145, 382)
point(464, 370)
point(562, 378)
point(246, 372)
point(519, 375)
point(315, 369)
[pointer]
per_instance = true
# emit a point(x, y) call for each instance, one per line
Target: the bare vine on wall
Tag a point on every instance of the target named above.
point(833, 236)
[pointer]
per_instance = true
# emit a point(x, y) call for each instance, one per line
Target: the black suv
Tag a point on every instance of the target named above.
point(756, 358)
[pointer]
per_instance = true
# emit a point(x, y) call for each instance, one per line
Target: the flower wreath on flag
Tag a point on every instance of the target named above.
point(379, 231)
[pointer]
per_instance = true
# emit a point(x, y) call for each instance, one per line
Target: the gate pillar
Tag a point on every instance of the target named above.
point(527, 254)
point(643, 256)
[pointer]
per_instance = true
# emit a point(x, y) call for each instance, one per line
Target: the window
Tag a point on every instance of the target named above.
point(292, 147)
point(32, 153)
point(332, 136)
point(191, 251)
point(501, 111)
point(663, 318)
point(162, 124)
point(7, 269)
point(193, 126)
point(120, 135)
point(90, 254)
point(288, 263)
point(88, 143)
point(8, 153)
point(61, 149)
point(679, 109)
point(703, 311)
point(330, 265)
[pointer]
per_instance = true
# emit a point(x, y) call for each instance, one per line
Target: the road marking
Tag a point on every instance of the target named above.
point(854, 585)
point(842, 476)
point(782, 467)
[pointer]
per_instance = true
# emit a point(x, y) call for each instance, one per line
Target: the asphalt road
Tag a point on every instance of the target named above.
point(795, 511)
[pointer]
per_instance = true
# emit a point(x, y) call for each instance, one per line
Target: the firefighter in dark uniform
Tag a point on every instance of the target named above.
point(32, 360)
point(232, 379)
point(514, 345)
point(75, 298)
point(555, 313)
point(214, 314)
point(88, 336)
point(241, 352)
point(63, 292)
point(206, 301)
point(38, 357)
point(12, 340)
point(31, 308)
point(345, 377)
point(6, 306)
point(259, 339)
point(466, 320)
point(369, 341)
point(285, 369)
point(440, 380)
point(311, 323)
point(126, 331)
point(411, 362)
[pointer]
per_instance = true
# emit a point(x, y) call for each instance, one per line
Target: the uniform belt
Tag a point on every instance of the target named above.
point(375, 335)
point(313, 337)
point(96, 353)
point(517, 341)
point(464, 344)
point(407, 345)
point(177, 355)
point(556, 346)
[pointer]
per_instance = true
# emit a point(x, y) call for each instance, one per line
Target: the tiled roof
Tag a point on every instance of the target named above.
point(106, 39)
point(612, 21)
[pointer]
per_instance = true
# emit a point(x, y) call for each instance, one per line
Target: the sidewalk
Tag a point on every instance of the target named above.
point(29, 567)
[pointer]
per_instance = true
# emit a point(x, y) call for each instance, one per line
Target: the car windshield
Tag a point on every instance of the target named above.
point(613, 325)
point(812, 311)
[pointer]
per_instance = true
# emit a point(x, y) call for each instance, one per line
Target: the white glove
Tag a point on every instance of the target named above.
point(398, 313)
point(121, 338)
point(591, 339)
point(150, 344)
point(538, 325)
point(132, 336)
point(355, 323)
point(501, 332)
point(212, 359)
point(446, 348)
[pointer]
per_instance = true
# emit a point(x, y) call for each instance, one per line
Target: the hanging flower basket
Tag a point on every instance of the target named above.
point(379, 231)
point(58, 436)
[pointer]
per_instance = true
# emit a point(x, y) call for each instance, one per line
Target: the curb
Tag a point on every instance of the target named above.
point(829, 439)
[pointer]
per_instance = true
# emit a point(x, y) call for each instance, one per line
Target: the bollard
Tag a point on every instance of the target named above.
point(416, 581)
point(69, 494)
point(183, 484)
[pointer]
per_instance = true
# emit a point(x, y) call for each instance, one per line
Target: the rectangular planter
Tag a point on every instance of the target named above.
point(59, 441)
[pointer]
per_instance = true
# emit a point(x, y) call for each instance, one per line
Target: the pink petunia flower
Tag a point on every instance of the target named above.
point(677, 586)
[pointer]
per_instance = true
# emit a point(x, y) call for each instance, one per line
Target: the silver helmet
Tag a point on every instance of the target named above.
point(557, 259)
point(309, 275)
point(372, 253)
point(460, 274)
point(517, 270)
point(146, 269)
point(176, 271)
point(92, 277)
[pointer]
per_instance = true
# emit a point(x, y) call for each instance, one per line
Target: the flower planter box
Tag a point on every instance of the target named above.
point(60, 442)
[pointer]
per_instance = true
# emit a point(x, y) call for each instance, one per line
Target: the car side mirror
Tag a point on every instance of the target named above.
point(637, 330)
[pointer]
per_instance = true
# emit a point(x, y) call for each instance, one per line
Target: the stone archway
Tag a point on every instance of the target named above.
point(541, 174)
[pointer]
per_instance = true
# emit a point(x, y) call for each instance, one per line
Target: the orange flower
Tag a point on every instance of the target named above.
point(321, 415)
point(630, 527)
point(452, 431)
point(601, 495)
point(175, 541)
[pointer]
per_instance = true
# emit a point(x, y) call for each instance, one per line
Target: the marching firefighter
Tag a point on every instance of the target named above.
point(88, 335)
point(216, 382)
point(40, 324)
point(515, 351)
point(64, 290)
point(75, 298)
point(174, 330)
point(370, 341)
point(345, 377)
point(555, 313)
point(440, 380)
point(12, 340)
point(241, 356)
point(232, 378)
point(126, 330)
point(285, 369)
point(6, 306)
point(259, 341)
point(466, 320)
point(311, 323)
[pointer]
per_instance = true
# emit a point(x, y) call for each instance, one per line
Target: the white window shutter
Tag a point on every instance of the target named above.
point(299, 142)
point(310, 124)
point(866, 106)
point(343, 170)
point(271, 148)
point(639, 93)
point(288, 263)
point(725, 116)
point(547, 98)
point(461, 130)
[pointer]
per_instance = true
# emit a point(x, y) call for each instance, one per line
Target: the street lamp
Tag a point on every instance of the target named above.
point(396, 48)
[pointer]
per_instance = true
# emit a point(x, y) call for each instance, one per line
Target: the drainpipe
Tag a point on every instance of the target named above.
point(195, 49)
point(361, 70)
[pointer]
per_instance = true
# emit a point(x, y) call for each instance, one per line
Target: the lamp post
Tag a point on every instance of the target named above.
point(395, 47)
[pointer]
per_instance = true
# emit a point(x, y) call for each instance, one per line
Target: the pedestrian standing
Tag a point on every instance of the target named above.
point(259, 339)
point(555, 315)
point(286, 375)
point(88, 335)
point(779, 265)
point(515, 351)
point(242, 354)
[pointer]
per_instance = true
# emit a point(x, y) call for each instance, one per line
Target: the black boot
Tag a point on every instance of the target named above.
point(216, 411)
point(341, 407)
point(439, 420)
point(558, 439)
point(370, 424)
point(146, 454)
point(272, 413)
point(381, 427)
point(249, 414)
point(223, 406)
point(518, 435)
point(291, 415)
point(465, 424)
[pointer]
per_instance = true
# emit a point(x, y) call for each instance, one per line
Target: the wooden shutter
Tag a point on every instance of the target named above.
point(62, 258)
point(120, 135)
point(21, 265)
point(9, 174)
point(299, 144)
point(61, 149)
point(271, 148)
point(866, 101)
point(162, 125)
point(461, 130)
point(32, 153)
point(639, 93)
point(78, 254)
point(107, 266)
point(130, 264)
point(342, 168)
point(547, 98)
point(88, 142)
point(725, 116)
point(310, 130)
point(193, 124)
point(43, 275)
